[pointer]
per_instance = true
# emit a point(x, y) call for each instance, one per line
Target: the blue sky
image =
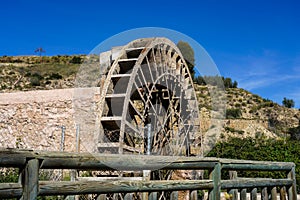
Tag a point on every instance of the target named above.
point(254, 42)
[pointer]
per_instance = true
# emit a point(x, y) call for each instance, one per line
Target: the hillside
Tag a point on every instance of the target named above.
point(247, 114)
point(24, 73)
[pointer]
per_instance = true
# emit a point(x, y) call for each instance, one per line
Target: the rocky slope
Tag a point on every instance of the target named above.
point(248, 114)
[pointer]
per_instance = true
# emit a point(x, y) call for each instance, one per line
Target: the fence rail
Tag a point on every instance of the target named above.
point(30, 162)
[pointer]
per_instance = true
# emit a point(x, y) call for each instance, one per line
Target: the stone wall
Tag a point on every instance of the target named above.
point(34, 119)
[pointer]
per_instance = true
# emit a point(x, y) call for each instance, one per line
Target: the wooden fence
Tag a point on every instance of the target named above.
point(30, 162)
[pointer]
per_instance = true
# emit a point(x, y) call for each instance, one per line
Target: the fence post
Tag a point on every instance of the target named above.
point(233, 192)
point(128, 196)
point(101, 197)
point(153, 196)
point(194, 195)
point(174, 195)
point(215, 175)
point(30, 180)
point(253, 194)
point(243, 194)
point(282, 193)
point(292, 191)
point(274, 193)
point(264, 193)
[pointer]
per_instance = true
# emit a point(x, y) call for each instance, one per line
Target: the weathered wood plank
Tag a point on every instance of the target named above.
point(98, 187)
point(126, 163)
point(10, 190)
point(255, 182)
point(109, 178)
point(13, 158)
point(17, 158)
point(30, 180)
point(259, 166)
point(63, 160)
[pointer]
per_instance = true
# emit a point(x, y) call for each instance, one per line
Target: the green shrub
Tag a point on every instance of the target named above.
point(237, 105)
point(76, 60)
point(9, 175)
point(289, 103)
point(55, 76)
point(35, 79)
point(261, 149)
point(233, 113)
point(232, 130)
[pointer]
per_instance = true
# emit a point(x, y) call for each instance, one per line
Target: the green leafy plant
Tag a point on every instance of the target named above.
point(233, 113)
point(289, 103)
point(261, 149)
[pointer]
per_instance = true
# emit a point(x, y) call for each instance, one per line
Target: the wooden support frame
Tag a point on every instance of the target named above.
point(30, 162)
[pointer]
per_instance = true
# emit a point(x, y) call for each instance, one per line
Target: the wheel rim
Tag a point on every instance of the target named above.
point(159, 95)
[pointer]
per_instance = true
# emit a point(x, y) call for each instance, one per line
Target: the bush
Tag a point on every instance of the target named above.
point(76, 60)
point(232, 130)
point(289, 103)
point(261, 149)
point(215, 81)
point(9, 175)
point(233, 113)
point(35, 79)
point(55, 76)
point(237, 105)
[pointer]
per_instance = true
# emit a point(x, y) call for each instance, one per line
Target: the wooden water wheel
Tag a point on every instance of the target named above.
point(147, 93)
point(148, 103)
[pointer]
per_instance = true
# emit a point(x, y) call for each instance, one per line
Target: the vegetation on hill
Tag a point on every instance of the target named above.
point(289, 103)
point(262, 149)
point(213, 81)
point(21, 73)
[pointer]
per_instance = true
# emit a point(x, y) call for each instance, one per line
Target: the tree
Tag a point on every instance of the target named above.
point(289, 103)
point(200, 80)
point(76, 60)
point(188, 54)
point(227, 82)
point(235, 84)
